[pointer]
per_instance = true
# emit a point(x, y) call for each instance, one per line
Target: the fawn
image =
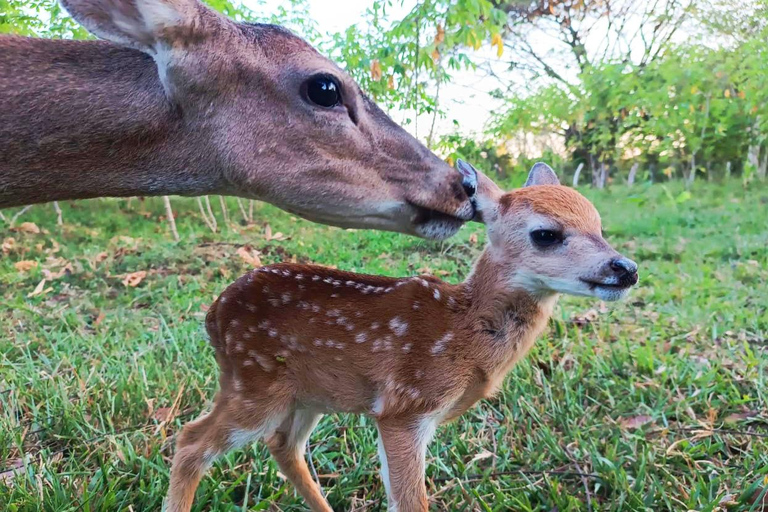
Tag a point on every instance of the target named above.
point(297, 341)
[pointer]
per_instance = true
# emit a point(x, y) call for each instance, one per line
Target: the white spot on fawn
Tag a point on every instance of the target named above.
point(436, 294)
point(361, 337)
point(251, 307)
point(407, 347)
point(416, 305)
point(440, 344)
point(315, 278)
point(263, 325)
point(398, 326)
point(247, 362)
point(272, 333)
point(273, 302)
point(299, 277)
point(286, 298)
point(375, 325)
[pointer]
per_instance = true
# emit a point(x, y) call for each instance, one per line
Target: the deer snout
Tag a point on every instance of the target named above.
point(625, 270)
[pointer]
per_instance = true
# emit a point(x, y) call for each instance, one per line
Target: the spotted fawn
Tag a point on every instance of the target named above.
point(294, 342)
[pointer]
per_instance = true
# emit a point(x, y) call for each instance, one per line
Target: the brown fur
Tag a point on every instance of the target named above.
point(219, 111)
point(297, 341)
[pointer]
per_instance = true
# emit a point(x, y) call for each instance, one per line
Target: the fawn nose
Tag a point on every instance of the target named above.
point(625, 269)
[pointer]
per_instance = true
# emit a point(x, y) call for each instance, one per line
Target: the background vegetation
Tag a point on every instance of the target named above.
point(655, 404)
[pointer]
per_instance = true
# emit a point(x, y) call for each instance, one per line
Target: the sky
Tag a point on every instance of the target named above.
point(465, 98)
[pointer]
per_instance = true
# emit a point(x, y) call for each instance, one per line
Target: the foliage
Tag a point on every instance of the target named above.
point(652, 399)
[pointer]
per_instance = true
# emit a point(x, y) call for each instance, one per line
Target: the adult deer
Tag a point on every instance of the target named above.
point(181, 100)
point(295, 341)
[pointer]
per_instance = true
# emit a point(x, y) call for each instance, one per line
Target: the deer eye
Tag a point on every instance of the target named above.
point(323, 90)
point(546, 237)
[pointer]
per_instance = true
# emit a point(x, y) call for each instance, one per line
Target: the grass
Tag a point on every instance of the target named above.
point(657, 403)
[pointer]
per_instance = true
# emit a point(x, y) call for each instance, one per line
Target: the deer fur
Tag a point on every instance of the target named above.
point(294, 342)
point(179, 99)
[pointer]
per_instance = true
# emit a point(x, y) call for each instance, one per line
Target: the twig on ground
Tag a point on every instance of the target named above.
point(224, 210)
point(209, 221)
point(171, 220)
point(584, 480)
point(57, 209)
point(312, 467)
point(19, 214)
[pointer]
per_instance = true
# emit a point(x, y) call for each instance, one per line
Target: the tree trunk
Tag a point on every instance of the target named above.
point(603, 175)
point(692, 172)
point(728, 169)
point(763, 167)
point(632, 174)
point(576, 175)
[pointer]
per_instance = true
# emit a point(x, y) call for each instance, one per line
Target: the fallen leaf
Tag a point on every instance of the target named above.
point(269, 236)
point(163, 413)
point(249, 256)
point(101, 256)
point(11, 468)
point(25, 265)
point(39, 289)
point(481, 456)
point(99, 318)
point(8, 245)
point(134, 279)
point(473, 238)
point(28, 227)
point(635, 421)
point(740, 416)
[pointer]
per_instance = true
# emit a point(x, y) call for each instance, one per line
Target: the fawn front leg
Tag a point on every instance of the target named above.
point(405, 446)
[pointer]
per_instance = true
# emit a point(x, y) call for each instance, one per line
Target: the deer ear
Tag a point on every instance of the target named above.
point(486, 197)
point(140, 24)
point(541, 174)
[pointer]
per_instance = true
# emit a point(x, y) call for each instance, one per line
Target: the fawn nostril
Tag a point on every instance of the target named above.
point(623, 266)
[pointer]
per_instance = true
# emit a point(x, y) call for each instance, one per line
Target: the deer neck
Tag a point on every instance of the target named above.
point(506, 319)
point(82, 119)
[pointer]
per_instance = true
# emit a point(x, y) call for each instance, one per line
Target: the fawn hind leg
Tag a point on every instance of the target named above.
point(203, 440)
point(287, 447)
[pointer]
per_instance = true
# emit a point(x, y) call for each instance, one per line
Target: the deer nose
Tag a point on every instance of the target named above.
point(625, 269)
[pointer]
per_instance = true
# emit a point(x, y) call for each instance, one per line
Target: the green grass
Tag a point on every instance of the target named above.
point(657, 403)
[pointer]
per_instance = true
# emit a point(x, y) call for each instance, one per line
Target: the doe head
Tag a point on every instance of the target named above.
point(282, 122)
point(549, 237)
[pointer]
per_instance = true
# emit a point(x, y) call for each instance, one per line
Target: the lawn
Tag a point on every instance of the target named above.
point(656, 403)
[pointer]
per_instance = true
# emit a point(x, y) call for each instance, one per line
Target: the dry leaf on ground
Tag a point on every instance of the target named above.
point(28, 227)
point(134, 279)
point(25, 265)
point(249, 256)
point(635, 421)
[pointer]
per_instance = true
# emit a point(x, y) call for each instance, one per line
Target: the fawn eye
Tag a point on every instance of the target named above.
point(546, 237)
point(323, 90)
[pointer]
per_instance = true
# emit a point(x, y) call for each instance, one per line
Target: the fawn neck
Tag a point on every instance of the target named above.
point(72, 128)
point(512, 318)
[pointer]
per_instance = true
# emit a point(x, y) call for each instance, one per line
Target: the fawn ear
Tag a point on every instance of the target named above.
point(485, 198)
point(140, 24)
point(541, 174)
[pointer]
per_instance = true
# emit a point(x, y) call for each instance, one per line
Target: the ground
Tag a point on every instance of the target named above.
point(656, 403)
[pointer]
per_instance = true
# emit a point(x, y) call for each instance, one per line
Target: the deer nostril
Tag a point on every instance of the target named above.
point(623, 266)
